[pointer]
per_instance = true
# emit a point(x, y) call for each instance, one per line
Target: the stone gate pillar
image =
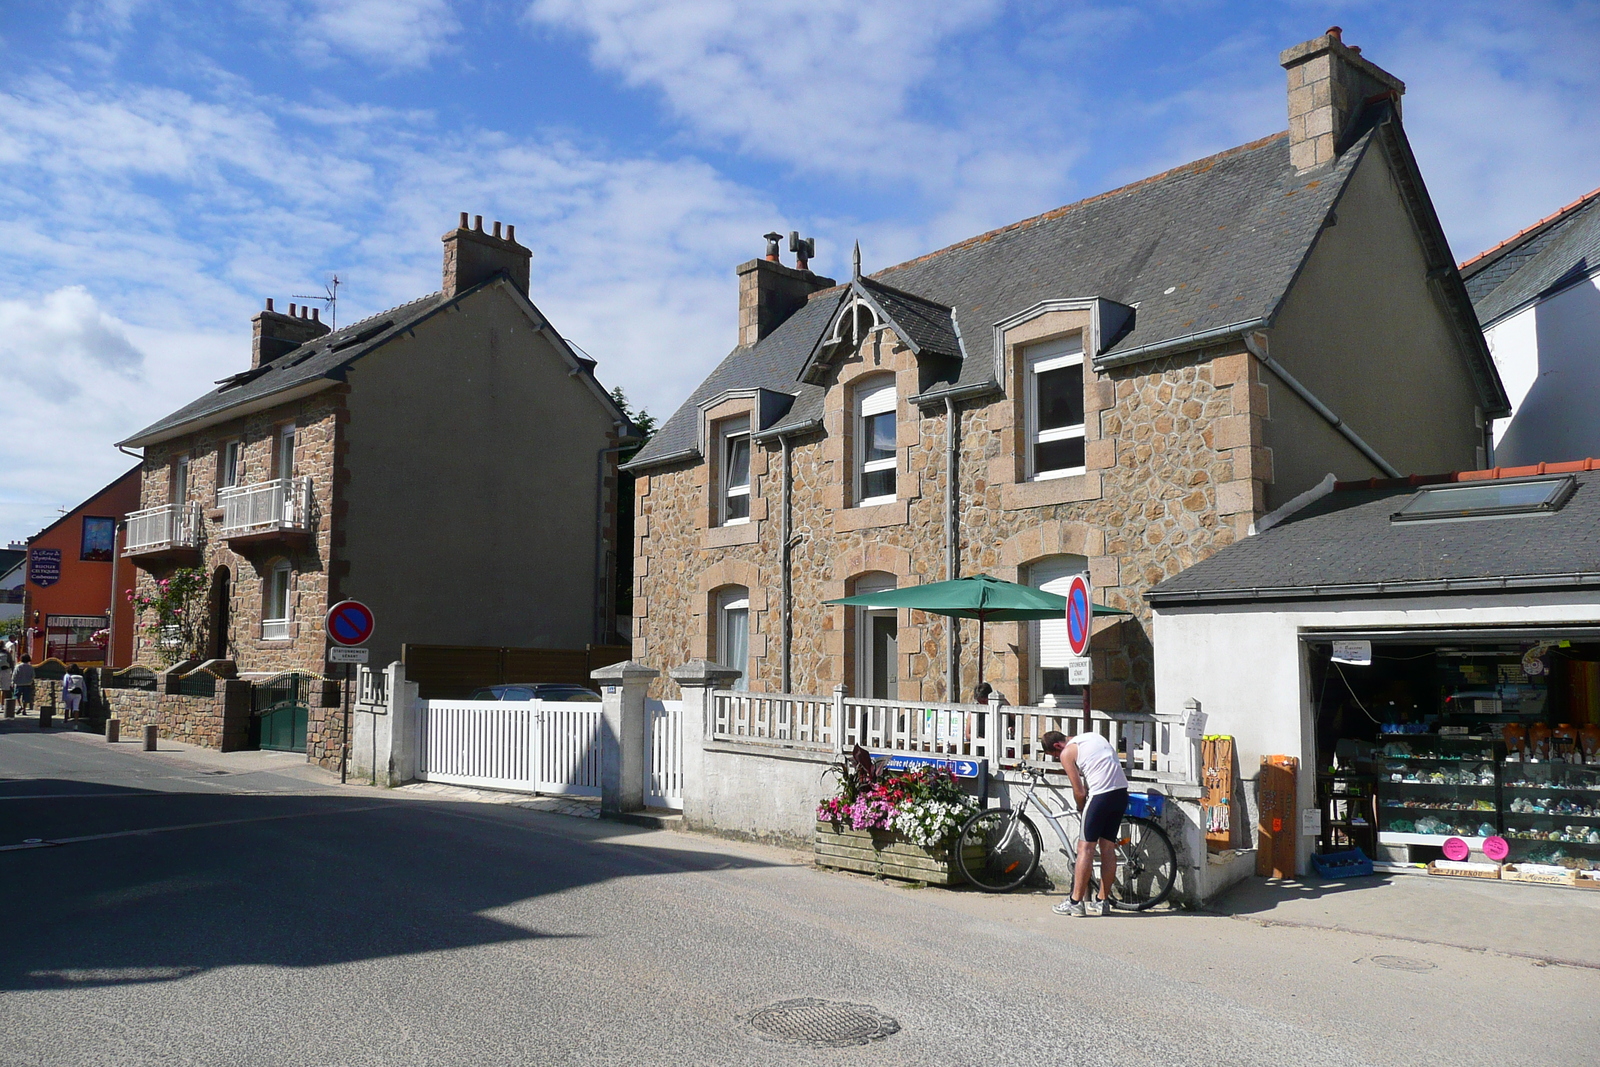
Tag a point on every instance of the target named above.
point(624, 735)
point(698, 679)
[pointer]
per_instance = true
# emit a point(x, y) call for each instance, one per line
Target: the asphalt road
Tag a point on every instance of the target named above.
point(271, 917)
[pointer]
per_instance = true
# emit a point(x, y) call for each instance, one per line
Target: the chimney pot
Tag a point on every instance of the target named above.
point(497, 228)
point(1336, 33)
point(291, 311)
point(269, 303)
point(316, 314)
point(477, 223)
point(463, 220)
point(772, 247)
point(511, 232)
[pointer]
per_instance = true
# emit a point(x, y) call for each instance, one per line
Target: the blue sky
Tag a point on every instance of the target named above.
point(166, 166)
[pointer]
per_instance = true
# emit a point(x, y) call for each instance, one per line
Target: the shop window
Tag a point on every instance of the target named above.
point(875, 444)
point(877, 641)
point(733, 450)
point(1053, 396)
point(733, 632)
point(1529, 496)
point(275, 610)
point(99, 539)
point(1048, 637)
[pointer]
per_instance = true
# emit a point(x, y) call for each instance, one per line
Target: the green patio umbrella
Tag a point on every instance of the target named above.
point(978, 597)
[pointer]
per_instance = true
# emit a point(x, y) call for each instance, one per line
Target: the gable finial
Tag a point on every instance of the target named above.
point(855, 263)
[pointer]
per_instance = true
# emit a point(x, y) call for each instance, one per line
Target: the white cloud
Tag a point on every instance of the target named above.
point(401, 34)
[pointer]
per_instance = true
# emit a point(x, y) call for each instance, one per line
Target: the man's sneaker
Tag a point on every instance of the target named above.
point(1096, 907)
point(1070, 907)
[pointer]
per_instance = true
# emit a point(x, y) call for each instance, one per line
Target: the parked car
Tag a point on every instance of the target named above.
point(536, 691)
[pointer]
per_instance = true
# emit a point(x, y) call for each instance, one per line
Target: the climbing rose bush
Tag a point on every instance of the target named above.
point(173, 612)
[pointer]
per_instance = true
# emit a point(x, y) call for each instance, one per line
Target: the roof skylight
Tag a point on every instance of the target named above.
point(1528, 495)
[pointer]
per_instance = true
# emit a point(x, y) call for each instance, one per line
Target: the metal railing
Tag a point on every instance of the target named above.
point(1152, 747)
point(162, 527)
point(197, 683)
point(129, 678)
point(281, 504)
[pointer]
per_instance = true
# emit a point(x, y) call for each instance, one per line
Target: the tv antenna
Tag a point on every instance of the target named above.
point(329, 298)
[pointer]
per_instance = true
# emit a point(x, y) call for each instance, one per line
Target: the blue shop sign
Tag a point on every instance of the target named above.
point(44, 566)
point(961, 768)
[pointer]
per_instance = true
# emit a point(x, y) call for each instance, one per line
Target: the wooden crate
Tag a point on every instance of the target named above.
point(1510, 874)
point(1452, 869)
point(887, 853)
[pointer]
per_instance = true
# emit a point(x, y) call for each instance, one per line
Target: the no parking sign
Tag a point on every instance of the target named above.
point(349, 622)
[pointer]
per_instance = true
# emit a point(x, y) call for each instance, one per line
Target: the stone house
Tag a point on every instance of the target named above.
point(450, 462)
point(1123, 385)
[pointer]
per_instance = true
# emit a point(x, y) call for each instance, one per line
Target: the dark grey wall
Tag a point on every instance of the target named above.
point(470, 503)
point(1363, 330)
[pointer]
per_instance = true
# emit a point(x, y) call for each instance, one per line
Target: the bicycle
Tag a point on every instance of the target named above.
point(1004, 847)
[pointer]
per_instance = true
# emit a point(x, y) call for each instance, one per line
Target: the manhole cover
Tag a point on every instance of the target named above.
point(821, 1023)
point(1402, 963)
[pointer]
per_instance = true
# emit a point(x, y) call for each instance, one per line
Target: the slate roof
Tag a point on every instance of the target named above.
point(1545, 258)
point(1345, 545)
point(1208, 246)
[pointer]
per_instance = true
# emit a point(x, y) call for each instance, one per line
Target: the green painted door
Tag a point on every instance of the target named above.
point(283, 728)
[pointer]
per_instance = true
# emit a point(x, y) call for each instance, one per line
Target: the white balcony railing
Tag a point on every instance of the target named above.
point(281, 504)
point(164, 527)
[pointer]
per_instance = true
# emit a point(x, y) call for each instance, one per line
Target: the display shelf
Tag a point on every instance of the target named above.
point(1440, 785)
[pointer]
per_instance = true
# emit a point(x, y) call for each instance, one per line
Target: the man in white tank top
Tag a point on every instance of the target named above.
point(1101, 790)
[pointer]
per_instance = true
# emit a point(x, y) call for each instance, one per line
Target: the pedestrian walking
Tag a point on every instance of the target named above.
point(1101, 790)
point(22, 683)
point(73, 686)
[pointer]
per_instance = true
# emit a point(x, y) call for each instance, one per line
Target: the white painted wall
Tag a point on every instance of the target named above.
point(1548, 356)
point(1245, 663)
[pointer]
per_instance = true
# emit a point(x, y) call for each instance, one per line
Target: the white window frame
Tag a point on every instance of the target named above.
point(1039, 359)
point(734, 598)
point(277, 629)
point(729, 433)
point(230, 470)
point(180, 480)
point(1053, 575)
point(871, 402)
point(873, 583)
point(285, 456)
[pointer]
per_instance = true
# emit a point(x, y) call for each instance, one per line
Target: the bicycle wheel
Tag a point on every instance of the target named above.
point(1147, 864)
point(998, 849)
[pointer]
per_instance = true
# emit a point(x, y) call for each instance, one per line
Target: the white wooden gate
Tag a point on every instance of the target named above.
point(536, 746)
point(664, 789)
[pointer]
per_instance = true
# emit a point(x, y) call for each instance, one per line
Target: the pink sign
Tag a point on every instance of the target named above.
point(1456, 849)
point(1496, 848)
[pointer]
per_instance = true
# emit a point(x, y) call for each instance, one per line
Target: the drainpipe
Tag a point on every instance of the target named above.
point(952, 565)
point(111, 616)
point(602, 584)
point(787, 556)
point(1256, 342)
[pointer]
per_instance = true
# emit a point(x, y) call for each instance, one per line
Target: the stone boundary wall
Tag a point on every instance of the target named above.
point(221, 721)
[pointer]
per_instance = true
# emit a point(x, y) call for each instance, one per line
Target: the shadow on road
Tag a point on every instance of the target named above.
point(1255, 896)
point(282, 881)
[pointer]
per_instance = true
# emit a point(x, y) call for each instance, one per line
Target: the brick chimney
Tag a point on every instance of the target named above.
point(273, 333)
point(1329, 85)
point(769, 293)
point(472, 256)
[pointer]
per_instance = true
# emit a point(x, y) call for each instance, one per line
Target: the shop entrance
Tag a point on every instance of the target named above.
point(1421, 738)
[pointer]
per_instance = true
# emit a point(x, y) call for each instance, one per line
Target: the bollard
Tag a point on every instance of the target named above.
point(46, 713)
point(113, 730)
point(150, 738)
point(11, 707)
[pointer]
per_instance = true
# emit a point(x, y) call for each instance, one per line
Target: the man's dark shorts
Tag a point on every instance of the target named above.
point(1104, 815)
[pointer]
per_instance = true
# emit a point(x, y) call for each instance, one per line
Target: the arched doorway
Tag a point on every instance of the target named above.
point(221, 602)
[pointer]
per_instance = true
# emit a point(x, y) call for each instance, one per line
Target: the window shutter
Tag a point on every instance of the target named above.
point(1055, 577)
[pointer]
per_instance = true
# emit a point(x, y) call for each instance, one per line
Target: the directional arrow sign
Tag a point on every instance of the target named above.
point(961, 768)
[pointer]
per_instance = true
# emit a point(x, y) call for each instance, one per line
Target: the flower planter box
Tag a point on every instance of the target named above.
point(884, 852)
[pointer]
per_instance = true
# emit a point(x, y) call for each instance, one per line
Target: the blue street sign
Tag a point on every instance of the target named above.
point(961, 768)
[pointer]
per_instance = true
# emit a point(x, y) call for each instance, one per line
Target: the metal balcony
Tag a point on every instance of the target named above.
point(267, 514)
point(169, 533)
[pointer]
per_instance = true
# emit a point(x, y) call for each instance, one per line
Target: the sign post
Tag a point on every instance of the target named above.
point(348, 624)
point(1080, 627)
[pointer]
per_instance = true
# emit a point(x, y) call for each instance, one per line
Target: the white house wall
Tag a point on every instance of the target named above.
point(1243, 663)
point(1549, 359)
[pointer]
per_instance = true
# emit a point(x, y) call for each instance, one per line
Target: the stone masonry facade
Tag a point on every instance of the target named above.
point(317, 422)
point(1175, 470)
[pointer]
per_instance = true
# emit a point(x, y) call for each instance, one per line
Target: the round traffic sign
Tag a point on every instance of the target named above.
point(349, 622)
point(1079, 615)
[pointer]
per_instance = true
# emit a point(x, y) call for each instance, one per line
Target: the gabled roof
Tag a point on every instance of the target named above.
point(1543, 259)
point(102, 491)
point(1345, 545)
point(1206, 250)
point(927, 328)
point(321, 363)
point(10, 560)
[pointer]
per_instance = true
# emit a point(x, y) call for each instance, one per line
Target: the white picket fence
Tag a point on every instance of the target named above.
point(664, 789)
point(532, 745)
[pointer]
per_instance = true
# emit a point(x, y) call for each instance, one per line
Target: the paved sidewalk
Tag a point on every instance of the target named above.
point(578, 807)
